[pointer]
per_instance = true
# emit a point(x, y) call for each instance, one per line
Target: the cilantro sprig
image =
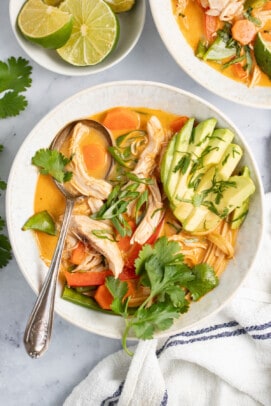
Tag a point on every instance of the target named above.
point(15, 78)
point(52, 162)
point(161, 268)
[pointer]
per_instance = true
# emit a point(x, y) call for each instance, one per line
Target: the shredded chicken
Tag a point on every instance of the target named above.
point(146, 162)
point(152, 218)
point(83, 226)
point(225, 9)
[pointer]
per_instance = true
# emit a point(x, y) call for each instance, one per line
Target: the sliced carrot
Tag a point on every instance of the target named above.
point(121, 118)
point(243, 31)
point(178, 123)
point(89, 278)
point(211, 25)
point(267, 6)
point(103, 297)
point(94, 156)
point(239, 71)
point(78, 254)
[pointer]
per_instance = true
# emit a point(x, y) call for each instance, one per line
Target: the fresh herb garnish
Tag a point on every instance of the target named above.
point(52, 162)
point(141, 201)
point(161, 268)
point(183, 163)
point(14, 79)
point(104, 234)
point(121, 196)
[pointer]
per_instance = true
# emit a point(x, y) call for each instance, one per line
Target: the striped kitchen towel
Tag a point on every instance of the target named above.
point(225, 360)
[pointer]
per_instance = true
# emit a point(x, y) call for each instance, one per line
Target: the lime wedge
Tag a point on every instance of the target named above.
point(95, 32)
point(262, 52)
point(41, 221)
point(120, 6)
point(45, 25)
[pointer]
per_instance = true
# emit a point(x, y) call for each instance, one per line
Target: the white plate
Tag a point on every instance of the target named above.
point(23, 178)
point(211, 79)
point(131, 26)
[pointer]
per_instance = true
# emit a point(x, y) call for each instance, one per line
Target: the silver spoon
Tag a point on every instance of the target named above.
point(39, 327)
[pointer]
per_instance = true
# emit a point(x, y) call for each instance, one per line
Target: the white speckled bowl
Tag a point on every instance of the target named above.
point(209, 78)
point(23, 178)
point(131, 26)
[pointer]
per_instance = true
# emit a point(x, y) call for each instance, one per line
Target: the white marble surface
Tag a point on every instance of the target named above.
point(74, 352)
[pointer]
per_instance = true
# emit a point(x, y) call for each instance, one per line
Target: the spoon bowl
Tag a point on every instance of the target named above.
point(39, 327)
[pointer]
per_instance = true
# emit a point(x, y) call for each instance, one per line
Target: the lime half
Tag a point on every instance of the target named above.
point(120, 6)
point(262, 52)
point(95, 32)
point(45, 25)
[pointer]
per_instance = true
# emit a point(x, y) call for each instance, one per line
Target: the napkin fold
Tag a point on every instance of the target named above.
point(225, 360)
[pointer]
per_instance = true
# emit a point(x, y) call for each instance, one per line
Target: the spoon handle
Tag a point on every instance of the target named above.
point(38, 330)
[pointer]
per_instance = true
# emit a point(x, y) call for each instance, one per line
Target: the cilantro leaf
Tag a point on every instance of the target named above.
point(3, 185)
point(11, 104)
point(205, 280)
point(5, 250)
point(118, 290)
point(14, 79)
point(2, 223)
point(52, 162)
point(15, 75)
point(159, 316)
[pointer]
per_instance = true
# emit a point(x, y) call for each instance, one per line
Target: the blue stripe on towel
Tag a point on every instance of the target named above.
point(172, 342)
point(165, 399)
point(113, 399)
point(190, 337)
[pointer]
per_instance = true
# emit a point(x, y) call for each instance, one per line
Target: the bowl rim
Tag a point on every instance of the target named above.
point(56, 64)
point(199, 71)
point(58, 108)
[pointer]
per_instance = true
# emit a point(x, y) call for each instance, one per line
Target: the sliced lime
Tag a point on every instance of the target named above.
point(120, 6)
point(262, 52)
point(95, 32)
point(45, 25)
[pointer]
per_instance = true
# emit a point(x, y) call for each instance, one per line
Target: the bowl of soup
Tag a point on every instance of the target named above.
point(200, 41)
point(129, 228)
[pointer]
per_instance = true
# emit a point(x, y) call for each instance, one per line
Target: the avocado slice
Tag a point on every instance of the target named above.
point(167, 160)
point(230, 160)
point(199, 140)
point(180, 149)
point(240, 213)
point(217, 146)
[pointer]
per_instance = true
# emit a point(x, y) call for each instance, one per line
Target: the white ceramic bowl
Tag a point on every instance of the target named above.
point(131, 26)
point(209, 78)
point(23, 178)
